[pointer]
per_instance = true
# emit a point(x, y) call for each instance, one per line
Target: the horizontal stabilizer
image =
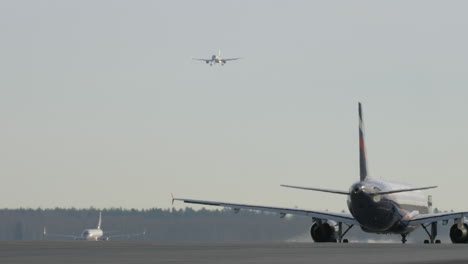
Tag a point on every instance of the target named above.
point(316, 189)
point(346, 193)
point(403, 190)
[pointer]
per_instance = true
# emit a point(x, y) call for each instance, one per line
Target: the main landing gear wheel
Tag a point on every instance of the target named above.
point(341, 234)
point(432, 233)
point(428, 242)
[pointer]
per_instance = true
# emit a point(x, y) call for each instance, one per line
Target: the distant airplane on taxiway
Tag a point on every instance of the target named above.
point(92, 234)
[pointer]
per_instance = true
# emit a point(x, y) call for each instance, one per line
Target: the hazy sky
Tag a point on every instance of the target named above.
point(101, 104)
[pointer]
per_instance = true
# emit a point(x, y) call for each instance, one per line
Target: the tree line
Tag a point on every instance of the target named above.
point(160, 224)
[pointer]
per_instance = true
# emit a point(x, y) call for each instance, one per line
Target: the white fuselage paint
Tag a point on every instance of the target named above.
point(92, 234)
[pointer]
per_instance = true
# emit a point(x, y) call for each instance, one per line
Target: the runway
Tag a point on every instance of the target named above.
point(104, 252)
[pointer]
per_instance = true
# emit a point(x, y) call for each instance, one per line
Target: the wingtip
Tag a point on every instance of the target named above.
point(172, 196)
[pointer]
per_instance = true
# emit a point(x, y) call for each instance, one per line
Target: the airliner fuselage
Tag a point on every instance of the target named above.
point(92, 234)
point(385, 213)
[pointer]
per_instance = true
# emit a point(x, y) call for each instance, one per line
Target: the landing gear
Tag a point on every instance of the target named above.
point(432, 234)
point(403, 238)
point(341, 234)
point(437, 241)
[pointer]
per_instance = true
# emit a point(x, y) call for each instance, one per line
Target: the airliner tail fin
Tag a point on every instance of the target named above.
point(362, 148)
point(99, 221)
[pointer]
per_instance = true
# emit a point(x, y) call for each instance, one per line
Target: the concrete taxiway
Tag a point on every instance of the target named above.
point(104, 252)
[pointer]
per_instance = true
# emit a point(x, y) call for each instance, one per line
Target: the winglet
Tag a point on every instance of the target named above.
point(172, 196)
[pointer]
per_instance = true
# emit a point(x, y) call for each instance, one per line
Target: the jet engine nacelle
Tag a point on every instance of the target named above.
point(458, 235)
point(324, 232)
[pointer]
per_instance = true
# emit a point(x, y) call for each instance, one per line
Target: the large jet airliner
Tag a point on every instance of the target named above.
point(93, 234)
point(376, 206)
point(216, 59)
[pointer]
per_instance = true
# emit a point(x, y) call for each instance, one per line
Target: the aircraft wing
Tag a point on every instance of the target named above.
point(231, 59)
point(125, 235)
point(201, 59)
point(324, 215)
point(429, 218)
point(63, 236)
point(45, 234)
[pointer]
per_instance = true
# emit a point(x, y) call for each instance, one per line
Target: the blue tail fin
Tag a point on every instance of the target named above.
point(362, 148)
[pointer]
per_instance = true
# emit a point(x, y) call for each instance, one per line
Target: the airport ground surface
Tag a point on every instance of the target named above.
point(71, 252)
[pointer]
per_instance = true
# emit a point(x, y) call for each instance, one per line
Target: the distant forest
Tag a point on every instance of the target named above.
point(159, 224)
point(172, 225)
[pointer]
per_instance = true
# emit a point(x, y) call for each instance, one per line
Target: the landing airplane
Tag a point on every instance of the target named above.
point(216, 59)
point(92, 234)
point(376, 206)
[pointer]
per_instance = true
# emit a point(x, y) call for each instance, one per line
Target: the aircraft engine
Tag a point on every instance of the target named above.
point(323, 232)
point(458, 235)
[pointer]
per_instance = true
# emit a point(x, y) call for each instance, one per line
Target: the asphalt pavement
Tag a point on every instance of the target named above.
point(71, 252)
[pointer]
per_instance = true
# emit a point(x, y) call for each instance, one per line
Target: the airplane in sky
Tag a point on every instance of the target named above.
point(376, 206)
point(216, 59)
point(93, 234)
